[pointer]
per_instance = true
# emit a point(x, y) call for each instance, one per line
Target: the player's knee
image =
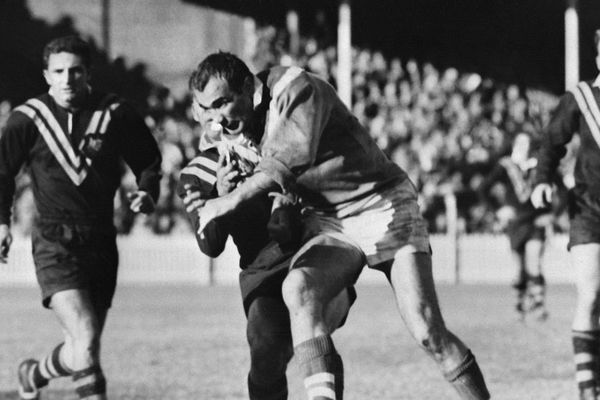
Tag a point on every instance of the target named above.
point(299, 291)
point(432, 340)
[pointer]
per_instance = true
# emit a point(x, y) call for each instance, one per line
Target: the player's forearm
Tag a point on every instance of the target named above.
point(7, 190)
point(257, 184)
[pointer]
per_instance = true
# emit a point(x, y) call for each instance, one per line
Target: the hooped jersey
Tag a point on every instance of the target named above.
point(312, 145)
point(247, 226)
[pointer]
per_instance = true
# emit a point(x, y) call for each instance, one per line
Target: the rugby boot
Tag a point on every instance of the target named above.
point(27, 389)
point(536, 291)
point(521, 306)
point(588, 394)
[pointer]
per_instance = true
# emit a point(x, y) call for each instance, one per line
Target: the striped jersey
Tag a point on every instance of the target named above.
point(311, 144)
point(577, 111)
point(75, 158)
point(247, 226)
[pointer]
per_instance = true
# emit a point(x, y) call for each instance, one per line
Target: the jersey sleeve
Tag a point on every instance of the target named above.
point(563, 124)
point(17, 138)
point(497, 174)
point(297, 117)
point(200, 175)
point(138, 148)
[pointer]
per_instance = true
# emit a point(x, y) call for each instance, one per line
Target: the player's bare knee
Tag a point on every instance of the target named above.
point(433, 341)
point(299, 291)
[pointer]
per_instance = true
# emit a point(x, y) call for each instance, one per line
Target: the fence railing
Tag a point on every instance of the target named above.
point(147, 259)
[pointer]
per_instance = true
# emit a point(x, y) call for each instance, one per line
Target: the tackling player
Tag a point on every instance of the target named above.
point(72, 140)
point(358, 207)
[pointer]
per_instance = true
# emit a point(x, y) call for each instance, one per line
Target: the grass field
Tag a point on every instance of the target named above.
point(187, 342)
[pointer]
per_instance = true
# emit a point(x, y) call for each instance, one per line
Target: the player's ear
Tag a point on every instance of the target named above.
point(46, 74)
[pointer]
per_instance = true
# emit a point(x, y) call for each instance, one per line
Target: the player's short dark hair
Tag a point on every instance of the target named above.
point(69, 44)
point(223, 65)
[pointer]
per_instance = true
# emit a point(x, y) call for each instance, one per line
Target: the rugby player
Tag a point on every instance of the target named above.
point(72, 140)
point(266, 234)
point(527, 226)
point(358, 208)
point(578, 111)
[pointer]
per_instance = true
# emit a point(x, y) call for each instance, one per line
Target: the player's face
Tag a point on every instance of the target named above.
point(67, 77)
point(217, 107)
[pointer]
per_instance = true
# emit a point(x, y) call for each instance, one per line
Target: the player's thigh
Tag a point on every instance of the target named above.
point(268, 330)
point(268, 319)
point(586, 262)
point(412, 280)
point(322, 268)
point(77, 315)
point(338, 308)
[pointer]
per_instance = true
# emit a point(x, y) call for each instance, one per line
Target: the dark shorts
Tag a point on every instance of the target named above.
point(522, 231)
point(264, 277)
point(584, 215)
point(75, 256)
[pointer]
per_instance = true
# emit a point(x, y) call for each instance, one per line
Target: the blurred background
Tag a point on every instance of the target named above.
point(443, 87)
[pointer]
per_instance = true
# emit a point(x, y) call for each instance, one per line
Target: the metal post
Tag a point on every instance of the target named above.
point(106, 27)
point(344, 47)
point(452, 233)
point(571, 44)
point(294, 32)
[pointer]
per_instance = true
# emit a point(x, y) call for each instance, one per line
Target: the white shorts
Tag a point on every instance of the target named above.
point(380, 224)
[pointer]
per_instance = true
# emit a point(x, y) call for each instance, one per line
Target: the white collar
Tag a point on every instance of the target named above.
point(258, 90)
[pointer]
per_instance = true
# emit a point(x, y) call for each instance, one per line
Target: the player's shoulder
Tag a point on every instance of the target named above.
point(280, 78)
point(206, 160)
point(26, 112)
point(201, 170)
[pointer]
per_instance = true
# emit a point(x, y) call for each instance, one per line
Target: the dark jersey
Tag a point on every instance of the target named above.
point(74, 158)
point(247, 226)
point(577, 111)
point(518, 182)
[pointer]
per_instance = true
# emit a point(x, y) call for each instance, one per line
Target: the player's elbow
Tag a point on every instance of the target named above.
point(210, 248)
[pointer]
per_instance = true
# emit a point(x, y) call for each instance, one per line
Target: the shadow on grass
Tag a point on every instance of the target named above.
point(10, 395)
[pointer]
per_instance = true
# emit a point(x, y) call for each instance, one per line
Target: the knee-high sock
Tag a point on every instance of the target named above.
point(322, 368)
point(585, 348)
point(468, 380)
point(272, 391)
point(89, 382)
point(49, 367)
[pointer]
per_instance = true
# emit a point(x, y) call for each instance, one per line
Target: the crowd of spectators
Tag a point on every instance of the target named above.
point(445, 128)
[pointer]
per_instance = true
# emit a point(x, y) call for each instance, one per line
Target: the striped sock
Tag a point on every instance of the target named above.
point(89, 382)
point(585, 347)
point(322, 368)
point(49, 367)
